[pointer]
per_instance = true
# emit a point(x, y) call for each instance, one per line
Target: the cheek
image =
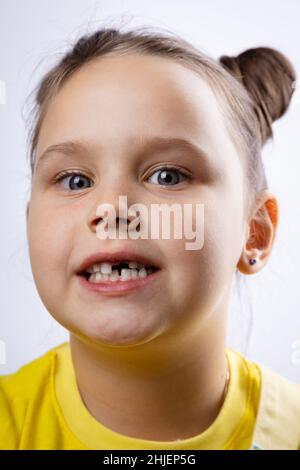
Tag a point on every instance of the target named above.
point(205, 270)
point(50, 243)
point(223, 234)
point(49, 234)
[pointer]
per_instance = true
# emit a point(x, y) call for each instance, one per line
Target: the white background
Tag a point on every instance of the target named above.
point(33, 34)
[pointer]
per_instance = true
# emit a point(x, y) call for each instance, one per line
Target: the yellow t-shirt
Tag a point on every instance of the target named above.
point(41, 408)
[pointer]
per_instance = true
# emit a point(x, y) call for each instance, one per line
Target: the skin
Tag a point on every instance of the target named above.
point(150, 364)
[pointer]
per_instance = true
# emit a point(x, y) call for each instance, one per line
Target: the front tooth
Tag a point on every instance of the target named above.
point(125, 274)
point(134, 274)
point(98, 276)
point(106, 268)
point(114, 276)
point(142, 273)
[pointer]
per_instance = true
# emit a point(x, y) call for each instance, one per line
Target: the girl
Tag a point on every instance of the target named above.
point(150, 117)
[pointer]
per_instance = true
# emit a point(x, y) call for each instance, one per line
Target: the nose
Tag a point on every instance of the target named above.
point(118, 222)
point(114, 204)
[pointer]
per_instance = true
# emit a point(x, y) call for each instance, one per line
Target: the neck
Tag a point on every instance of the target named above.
point(169, 388)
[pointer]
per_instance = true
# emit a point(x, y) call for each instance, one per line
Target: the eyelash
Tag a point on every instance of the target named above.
point(66, 174)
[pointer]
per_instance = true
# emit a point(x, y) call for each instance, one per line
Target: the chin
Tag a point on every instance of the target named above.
point(122, 337)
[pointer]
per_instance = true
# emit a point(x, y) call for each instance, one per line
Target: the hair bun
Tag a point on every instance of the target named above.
point(268, 76)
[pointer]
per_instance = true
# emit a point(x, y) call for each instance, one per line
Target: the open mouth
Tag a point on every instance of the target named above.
point(114, 272)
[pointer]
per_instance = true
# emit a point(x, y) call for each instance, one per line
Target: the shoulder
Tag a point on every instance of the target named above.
point(245, 368)
point(269, 378)
point(277, 404)
point(28, 377)
point(287, 391)
point(278, 417)
point(18, 390)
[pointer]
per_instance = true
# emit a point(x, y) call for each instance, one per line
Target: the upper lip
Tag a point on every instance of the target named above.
point(116, 257)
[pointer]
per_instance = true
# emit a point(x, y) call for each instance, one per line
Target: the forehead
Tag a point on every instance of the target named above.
point(116, 98)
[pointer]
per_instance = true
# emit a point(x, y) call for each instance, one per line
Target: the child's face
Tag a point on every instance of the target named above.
point(107, 104)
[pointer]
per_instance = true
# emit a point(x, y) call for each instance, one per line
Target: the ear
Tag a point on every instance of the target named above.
point(261, 228)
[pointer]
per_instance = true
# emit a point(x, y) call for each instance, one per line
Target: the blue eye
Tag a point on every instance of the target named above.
point(75, 179)
point(169, 176)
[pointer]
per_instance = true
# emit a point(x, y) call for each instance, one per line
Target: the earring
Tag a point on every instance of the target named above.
point(252, 261)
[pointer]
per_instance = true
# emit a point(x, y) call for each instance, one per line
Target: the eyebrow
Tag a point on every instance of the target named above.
point(71, 148)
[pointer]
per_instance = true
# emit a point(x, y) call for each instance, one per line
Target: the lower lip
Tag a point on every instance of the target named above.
point(118, 287)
